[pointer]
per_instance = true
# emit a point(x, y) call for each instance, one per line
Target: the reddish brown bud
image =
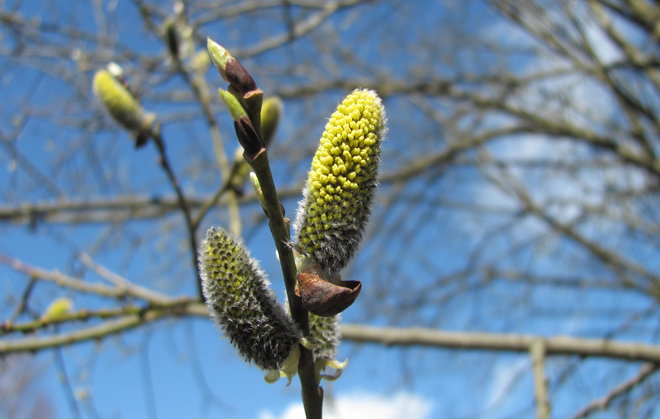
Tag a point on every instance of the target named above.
point(325, 298)
point(247, 136)
point(237, 76)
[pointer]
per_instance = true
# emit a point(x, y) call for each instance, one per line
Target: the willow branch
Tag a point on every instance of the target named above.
point(537, 351)
point(125, 323)
point(63, 280)
point(623, 388)
point(312, 394)
point(557, 345)
point(183, 205)
point(132, 289)
point(119, 208)
point(357, 333)
point(200, 91)
point(80, 315)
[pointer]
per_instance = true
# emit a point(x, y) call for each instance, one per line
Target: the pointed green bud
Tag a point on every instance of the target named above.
point(240, 301)
point(271, 109)
point(234, 106)
point(219, 56)
point(257, 189)
point(230, 69)
point(341, 184)
point(120, 103)
point(245, 132)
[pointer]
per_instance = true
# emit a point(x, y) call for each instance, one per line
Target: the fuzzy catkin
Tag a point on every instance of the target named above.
point(237, 294)
point(341, 184)
point(119, 102)
point(324, 334)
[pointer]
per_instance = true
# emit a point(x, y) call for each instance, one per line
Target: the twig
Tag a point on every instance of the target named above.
point(388, 336)
point(604, 402)
point(149, 315)
point(198, 370)
point(62, 279)
point(146, 375)
point(132, 289)
point(555, 345)
point(23, 303)
point(312, 394)
point(80, 315)
point(208, 205)
point(183, 204)
point(66, 383)
point(537, 351)
point(200, 91)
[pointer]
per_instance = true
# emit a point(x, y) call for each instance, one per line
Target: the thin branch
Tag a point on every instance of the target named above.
point(183, 204)
point(387, 336)
point(200, 90)
point(623, 388)
point(147, 377)
point(80, 315)
point(125, 323)
point(23, 302)
point(131, 288)
point(119, 208)
point(298, 29)
point(61, 279)
point(66, 383)
point(312, 394)
point(557, 345)
point(537, 351)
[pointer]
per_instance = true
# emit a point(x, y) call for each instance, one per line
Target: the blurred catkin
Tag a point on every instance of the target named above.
point(120, 103)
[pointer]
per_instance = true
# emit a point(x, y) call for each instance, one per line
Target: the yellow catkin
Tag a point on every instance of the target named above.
point(342, 181)
point(119, 102)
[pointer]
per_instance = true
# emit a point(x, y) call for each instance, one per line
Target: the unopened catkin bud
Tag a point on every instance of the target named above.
point(240, 301)
point(120, 103)
point(271, 110)
point(341, 184)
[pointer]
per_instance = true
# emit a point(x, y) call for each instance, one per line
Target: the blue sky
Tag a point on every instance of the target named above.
point(186, 368)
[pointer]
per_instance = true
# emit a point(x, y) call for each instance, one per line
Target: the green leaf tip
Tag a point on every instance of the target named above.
point(234, 106)
point(219, 56)
point(247, 135)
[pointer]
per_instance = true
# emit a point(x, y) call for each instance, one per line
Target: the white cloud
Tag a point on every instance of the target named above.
point(364, 405)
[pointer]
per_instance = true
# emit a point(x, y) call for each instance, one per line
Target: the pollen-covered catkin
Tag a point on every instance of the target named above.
point(240, 301)
point(341, 184)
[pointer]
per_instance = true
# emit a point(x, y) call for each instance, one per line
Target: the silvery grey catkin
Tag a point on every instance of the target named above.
point(324, 335)
point(237, 294)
